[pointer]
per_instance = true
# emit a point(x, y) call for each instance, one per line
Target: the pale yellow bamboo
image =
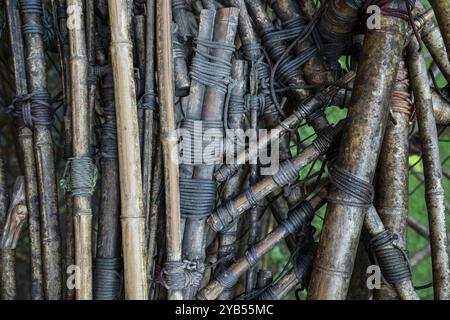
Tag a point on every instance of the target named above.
point(168, 135)
point(132, 217)
point(80, 132)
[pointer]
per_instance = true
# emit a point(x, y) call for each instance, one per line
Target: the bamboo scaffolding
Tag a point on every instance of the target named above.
point(25, 136)
point(434, 192)
point(168, 135)
point(132, 216)
point(43, 152)
point(358, 155)
point(432, 38)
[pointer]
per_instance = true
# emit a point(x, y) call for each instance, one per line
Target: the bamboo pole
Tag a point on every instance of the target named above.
point(82, 210)
point(393, 174)
point(442, 11)
point(148, 141)
point(25, 136)
point(43, 152)
point(374, 226)
point(108, 256)
point(132, 216)
point(168, 135)
point(434, 192)
point(358, 156)
point(213, 105)
point(13, 228)
point(432, 38)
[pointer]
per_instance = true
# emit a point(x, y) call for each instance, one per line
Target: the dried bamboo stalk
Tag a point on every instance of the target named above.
point(64, 51)
point(251, 257)
point(213, 105)
point(434, 192)
point(393, 174)
point(442, 11)
point(358, 156)
point(45, 162)
point(25, 136)
point(432, 38)
point(82, 210)
point(441, 108)
point(132, 216)
point(168, 135)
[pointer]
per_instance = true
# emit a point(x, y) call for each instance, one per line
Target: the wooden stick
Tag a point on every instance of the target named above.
point(45, 162)
point(168, 135)
point(25, 136)
point(132, 215)
point(434, 192)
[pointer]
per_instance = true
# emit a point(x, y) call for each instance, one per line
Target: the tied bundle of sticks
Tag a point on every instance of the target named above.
point(162, 150)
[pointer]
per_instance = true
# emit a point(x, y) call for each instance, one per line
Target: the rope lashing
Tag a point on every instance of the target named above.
point(226, 278)
point(177, 275)
point(274, 40)
point(391, 259)
point(360, 191)
point(287, 173)
point(32, 109)
point(107, 278)
point(211, 71)
point(197, 197)
point(299, 218)
point(108, 140)
point(80, 176)
point(44, 26)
